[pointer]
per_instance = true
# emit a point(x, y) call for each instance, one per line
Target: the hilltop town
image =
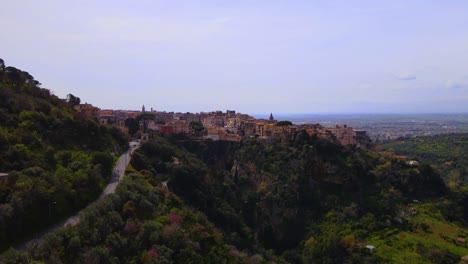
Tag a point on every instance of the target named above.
point(288, 185)
point(219, 125)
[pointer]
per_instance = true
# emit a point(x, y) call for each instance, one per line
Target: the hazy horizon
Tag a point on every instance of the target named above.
point(267, 56)
point(360, 115)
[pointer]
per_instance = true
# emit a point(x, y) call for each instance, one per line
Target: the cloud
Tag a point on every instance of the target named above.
point(456, 85)
point(405, 76)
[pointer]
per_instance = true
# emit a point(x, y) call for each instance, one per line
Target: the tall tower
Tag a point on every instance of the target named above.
point(143, 108)
point(271, 117)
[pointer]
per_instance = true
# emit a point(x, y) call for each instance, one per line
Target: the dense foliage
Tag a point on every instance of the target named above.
point(308, 200)
point(57, 161)
point(284, 123)
point(142, 223)
point(447, 153)
point(305, 201)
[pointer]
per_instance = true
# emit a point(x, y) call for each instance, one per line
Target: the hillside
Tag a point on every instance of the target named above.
point(304, 201)
point(448, 153)
point(56, 161)
point(308, 200)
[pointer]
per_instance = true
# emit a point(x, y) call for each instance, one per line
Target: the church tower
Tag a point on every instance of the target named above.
point(271, 117)
point(143, 109)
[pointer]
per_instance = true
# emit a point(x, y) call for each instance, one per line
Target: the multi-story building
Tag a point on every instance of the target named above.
point(343, 134)
point(180, 126)
point(87, 110)
point(361, 138)
point(249, 128)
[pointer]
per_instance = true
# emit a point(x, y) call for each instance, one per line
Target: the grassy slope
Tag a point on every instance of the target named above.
point(401, 246)
point(448, 153)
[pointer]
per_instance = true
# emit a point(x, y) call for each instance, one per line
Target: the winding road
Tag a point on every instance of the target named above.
point(117, 175)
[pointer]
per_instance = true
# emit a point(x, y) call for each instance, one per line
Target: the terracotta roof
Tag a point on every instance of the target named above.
point(106, 112)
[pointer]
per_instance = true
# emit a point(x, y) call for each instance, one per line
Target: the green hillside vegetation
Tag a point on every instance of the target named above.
point(305, 201)
point(430, 238)
point(57, 161)
point(447, 153)
point(309, 200)
point(141, 223)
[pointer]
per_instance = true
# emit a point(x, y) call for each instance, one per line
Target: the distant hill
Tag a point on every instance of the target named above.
point(56, 160)
point(448, 153)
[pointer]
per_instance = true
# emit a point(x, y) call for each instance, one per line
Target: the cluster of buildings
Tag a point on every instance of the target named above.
point(216, 125)
point(105, 117)
point(232, 126)
point(219, 125)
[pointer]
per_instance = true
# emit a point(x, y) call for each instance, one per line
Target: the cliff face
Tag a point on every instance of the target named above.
point(270, 193)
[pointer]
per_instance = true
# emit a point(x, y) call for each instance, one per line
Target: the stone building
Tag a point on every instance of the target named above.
point(87, 110)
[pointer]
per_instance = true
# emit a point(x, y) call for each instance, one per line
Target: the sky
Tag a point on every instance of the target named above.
point(251, 56)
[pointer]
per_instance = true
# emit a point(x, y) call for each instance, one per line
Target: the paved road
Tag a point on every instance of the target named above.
point(117, 176)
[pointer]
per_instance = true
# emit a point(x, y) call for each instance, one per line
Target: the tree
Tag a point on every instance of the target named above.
point(132, 126)
point(73, 100)
point(196, 125)
point(106, 161)
point(284, 123)
point(197, 128)
point(14, 256)
point(2, 65)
